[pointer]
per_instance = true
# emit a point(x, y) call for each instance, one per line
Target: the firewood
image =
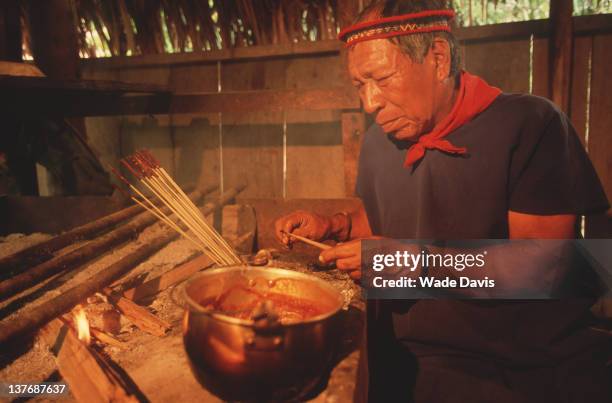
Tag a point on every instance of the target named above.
point(98, 334)
point(168, 279)
point(31, 319)
point(139, 315)
point(107, 338)
point(43, 251)
point(81, 255)
point(89, 376)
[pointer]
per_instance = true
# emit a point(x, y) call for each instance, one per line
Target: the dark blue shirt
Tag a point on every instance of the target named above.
point(524, 156)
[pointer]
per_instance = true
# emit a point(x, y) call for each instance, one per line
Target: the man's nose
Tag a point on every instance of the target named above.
point(371, 97)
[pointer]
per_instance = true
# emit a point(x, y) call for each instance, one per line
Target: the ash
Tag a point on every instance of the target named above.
point(158, 365)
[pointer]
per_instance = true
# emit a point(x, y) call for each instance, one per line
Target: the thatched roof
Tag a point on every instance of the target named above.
point(134, 27)
point(131, 27)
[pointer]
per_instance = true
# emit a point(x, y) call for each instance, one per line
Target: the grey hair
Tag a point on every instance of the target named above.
point(416, 46)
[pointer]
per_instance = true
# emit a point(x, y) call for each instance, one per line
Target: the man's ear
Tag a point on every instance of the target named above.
point(442, 57)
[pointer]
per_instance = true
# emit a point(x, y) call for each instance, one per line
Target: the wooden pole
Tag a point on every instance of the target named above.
point(34, 318)
point(560, 52)
point(353, 123)
point(81, 255)
point(54, 38)
point(43, 251)
point(55, 48)
point(10, 31)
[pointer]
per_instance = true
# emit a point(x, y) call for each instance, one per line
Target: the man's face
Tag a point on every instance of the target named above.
point(399, 91)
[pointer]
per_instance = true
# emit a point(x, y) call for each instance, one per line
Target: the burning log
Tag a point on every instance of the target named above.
point(33, 318)
point(106, 338)
point(102, 314)
point(90, 377)
point(81, 255)
point(43, 251)
point(139, 315)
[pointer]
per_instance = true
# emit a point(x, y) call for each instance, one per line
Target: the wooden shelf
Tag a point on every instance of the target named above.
point(82, 100)
point(47, 86)
point(213, 56)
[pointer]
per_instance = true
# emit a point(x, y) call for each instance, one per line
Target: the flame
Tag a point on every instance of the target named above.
point(82, 324)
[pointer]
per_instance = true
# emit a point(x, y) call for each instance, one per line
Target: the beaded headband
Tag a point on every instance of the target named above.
point(405, 24)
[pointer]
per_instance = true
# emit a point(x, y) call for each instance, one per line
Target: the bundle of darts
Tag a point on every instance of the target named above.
point(165, 191)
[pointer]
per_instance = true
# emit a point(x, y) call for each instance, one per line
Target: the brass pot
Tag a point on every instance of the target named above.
point(265, 359)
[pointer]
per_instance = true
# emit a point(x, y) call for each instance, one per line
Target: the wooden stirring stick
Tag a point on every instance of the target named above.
point(308, 241)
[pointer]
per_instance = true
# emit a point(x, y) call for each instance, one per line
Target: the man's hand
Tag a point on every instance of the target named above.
point(310, 225)
point(347, 257)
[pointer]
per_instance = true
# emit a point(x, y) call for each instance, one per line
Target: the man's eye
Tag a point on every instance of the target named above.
point(384, 80)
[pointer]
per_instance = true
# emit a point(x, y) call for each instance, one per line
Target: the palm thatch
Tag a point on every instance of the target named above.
point(135, 27)
point(132, 27)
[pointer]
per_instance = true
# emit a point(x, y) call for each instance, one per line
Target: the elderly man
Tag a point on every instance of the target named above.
point(451, 157)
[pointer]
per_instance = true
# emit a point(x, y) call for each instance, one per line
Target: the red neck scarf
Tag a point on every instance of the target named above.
point(474, 96)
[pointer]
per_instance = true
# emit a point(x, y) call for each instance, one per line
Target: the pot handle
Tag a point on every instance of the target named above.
point(269, 340)
point(267, 333)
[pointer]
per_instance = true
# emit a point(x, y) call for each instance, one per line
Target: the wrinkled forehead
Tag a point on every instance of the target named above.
point(365, 57)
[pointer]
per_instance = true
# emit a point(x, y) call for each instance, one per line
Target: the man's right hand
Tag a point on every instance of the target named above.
point(304, 223)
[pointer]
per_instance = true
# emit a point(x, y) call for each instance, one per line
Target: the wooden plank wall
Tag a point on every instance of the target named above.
point(600, 125)
point(294, 154)
point(504, 63)
point(300, 154)
point(512, 63)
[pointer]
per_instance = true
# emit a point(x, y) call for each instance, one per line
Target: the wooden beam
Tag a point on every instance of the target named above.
point(560, 52)
point(58, 103)
point(10, 31)
point(213, 56)
point(53, 37)
point(70, 85)
point(280, 100)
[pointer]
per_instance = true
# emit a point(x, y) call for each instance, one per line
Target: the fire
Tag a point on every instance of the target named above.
point(82, 324)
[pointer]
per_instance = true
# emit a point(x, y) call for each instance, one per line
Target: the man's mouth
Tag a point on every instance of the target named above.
point(393, 125)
